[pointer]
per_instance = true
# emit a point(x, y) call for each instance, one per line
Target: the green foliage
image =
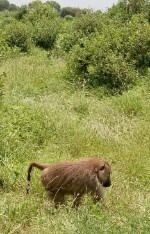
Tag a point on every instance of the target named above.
point(5, 50)
point(113, 56)
point(19, 34)
point(33, 4)
point(54, 5)
point(68, 17)
point(4, 5)
point(6, 17)
point(69, 11)
point(105, 49)
point(119, 12)
point(40, 12)
point(124, 10)
point(137, 44)
point(3, 45)
point(21, 12)
point(46, 25)
point(131, 40)
point(83, 25)
point(12, 7)
point(65, 42)
point(95, 66)
point(87, 23)
point(138, 6)
point(45, 33)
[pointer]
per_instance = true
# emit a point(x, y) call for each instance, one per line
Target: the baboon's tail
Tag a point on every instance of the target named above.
point(37, 165)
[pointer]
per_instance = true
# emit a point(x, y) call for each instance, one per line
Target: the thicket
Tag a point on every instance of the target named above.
point(18, 35)
point(113, 57)
point(45, 23)
point(110, 49)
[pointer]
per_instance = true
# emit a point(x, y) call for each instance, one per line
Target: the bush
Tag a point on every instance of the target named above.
point(124, 10)
point(5, 50)
point(19, 35)
point(137, 44)
point(112, 56)
point(69, 11)
point(96, 66)
point(66, 41)
point(45, 33)
point(39, 13)
point(82, 26)
point(3, 45)
point(87, 23)
point(131, 40)
point(46, 25)
point(21, 12)
point(54, 5)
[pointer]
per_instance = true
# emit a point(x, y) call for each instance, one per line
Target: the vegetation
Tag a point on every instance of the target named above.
point(70, 87)
point(69, 11)
point(5, 5)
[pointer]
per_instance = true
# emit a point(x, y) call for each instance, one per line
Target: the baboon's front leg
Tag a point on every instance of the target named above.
point(76, 201)
point(98, 195)
point(58, 198)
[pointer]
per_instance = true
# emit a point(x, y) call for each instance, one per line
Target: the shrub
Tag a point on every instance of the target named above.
point(54, 5)
point(19, 34)
point(21, 12)
point(39, 13)
point(3, 45)
point(112, 56)
point(131, 40)
point(96, 64)
point(87, 22)
point(124, 10)
point(82, 26)
point(69, 11)
point(45, 33)
point(46, 25)
point(66, 41)
point(137, 44)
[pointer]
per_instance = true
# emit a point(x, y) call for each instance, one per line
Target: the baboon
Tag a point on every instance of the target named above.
point(75, 178)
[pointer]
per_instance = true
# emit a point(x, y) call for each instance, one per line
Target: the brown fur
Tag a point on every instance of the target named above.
point(74, 178)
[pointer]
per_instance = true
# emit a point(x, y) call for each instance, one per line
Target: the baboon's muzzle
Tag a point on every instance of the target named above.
point(107, 183)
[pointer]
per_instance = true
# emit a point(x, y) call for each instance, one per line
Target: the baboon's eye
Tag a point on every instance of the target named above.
point(102, 167)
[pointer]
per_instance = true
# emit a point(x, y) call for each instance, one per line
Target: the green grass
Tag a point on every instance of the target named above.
point(46, 119)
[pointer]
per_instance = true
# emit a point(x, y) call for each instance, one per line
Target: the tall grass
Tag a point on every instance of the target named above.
point(46, 119)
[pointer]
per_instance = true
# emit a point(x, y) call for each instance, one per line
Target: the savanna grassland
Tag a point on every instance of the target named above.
point(47, 120)
point(48, 117)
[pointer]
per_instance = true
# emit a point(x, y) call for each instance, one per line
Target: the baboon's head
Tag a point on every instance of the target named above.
point(104, 173)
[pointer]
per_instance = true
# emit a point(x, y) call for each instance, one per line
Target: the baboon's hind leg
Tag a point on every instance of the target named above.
point(58, 198)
